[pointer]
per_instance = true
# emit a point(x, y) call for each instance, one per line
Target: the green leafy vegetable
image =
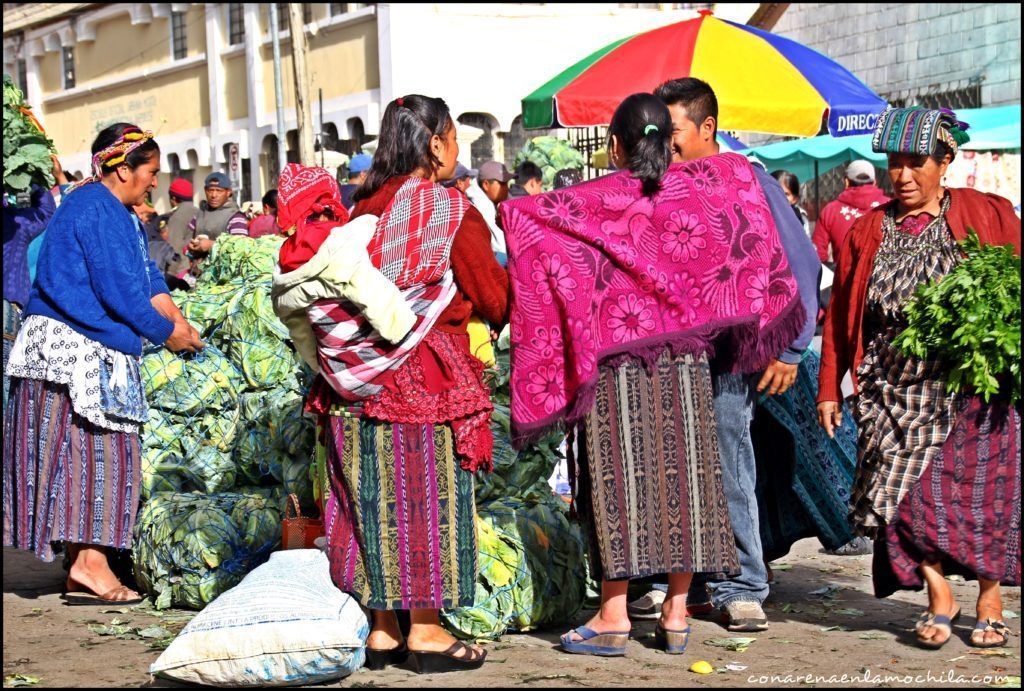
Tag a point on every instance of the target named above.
point(971, 318)
point(27, 149)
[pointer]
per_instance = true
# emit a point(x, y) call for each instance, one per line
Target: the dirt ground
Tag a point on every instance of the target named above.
point(47, 640)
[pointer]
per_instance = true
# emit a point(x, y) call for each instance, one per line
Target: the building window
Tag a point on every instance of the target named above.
point(22, 68)
point(178, 40)
point(338, 8)
point(236, 23)
point(69, 67)
point(282, 16)
point(307, 13)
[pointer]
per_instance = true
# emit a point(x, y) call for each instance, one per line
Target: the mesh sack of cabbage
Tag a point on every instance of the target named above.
point(193, 420)
point(531, 570)
point(190, 548)
point(235, 257)
point(275, 443)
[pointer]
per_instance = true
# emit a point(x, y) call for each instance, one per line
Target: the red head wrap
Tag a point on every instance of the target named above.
point(301, 193)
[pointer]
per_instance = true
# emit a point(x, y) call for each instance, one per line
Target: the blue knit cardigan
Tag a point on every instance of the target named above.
point(94, 273)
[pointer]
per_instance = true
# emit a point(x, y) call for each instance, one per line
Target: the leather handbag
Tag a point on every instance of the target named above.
point(298, 531)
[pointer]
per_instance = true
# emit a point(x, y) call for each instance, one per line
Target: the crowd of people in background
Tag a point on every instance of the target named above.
point(101, 286)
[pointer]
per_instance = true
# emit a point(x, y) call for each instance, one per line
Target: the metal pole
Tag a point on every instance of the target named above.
point(817, 193)
point(320, 93)
point(282, 154)
point(303, 114)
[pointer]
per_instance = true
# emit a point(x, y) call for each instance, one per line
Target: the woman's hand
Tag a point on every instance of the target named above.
point(201, 245)
point(58, 171)
point(830, 416)
point(184, 337)
point(777, 378)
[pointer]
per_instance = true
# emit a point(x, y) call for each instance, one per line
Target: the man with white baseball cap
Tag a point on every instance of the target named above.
point(861, 194)
point(491, 189)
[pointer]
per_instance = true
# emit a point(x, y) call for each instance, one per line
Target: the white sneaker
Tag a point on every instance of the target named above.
point(646, 607)
point(745, 615)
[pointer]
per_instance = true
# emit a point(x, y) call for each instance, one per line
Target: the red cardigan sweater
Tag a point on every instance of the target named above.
point(842, 346)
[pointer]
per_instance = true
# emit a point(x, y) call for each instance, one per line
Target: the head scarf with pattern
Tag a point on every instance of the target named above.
point(304, 192)
point(114, 155)
point(915, 130)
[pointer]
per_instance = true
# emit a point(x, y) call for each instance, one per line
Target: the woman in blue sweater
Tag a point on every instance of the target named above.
point(72, 456)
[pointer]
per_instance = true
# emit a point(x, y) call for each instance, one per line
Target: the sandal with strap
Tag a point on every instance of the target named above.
point(79, 598)
point(989, 625)
point(427, 662)
point(939, 621)
point(609, 644)
point(673, 641)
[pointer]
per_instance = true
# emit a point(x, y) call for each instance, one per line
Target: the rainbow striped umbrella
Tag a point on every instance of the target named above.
point(764, 83)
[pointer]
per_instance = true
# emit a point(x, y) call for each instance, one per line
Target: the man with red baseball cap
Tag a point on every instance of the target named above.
point(174, 224)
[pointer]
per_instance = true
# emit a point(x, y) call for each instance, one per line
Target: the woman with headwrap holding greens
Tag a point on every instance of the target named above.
point(937, 483)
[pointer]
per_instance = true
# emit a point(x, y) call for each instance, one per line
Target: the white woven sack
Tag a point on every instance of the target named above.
point(285, 624)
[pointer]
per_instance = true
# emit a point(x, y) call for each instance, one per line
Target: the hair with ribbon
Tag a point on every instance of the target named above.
point(642, 126)
point(403, 147)
point(119, 144)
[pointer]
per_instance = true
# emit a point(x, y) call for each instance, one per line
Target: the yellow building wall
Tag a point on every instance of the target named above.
point(172, 103)
point(341, 61)
point(50, 77)
point(236, 89)
point(121, 49)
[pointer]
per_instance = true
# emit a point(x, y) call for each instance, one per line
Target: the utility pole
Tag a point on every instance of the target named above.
point(303, 112)
point(282, 154)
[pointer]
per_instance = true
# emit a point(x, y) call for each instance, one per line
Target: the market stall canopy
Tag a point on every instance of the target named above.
point(763, 82)
point(991, 129)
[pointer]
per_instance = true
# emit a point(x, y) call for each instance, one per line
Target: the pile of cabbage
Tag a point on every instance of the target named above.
point(552, 155)
point(531, 557)
point(225, 420)
point(190, 548)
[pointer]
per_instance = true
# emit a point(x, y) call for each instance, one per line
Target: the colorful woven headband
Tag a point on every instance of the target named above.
point(915, 131)
point(117, 153)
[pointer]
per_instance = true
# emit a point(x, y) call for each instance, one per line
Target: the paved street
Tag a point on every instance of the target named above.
point(50, 641)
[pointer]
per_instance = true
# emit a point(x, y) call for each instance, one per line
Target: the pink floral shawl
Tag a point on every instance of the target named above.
point(599, 272)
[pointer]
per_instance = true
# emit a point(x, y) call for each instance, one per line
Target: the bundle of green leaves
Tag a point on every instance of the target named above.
point(971, 319)
point(26, 148)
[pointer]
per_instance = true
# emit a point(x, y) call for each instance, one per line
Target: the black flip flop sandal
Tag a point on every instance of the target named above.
point(425, 662)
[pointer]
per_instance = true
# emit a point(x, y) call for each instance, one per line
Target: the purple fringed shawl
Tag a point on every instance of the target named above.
point(600, 272)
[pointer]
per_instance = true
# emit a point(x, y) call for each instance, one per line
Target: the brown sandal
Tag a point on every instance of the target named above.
point(426, 662)
point(87, 597)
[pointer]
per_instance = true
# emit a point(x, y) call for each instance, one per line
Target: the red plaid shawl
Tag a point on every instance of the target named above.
point(600, 272)
point(411, 247)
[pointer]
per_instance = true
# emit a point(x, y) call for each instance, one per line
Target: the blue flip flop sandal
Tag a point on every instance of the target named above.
point(989, 625)
point(673, 641)
point(610, 644)
point(940, 621)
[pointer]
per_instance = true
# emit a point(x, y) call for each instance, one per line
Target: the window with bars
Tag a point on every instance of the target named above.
point(179, 42)
point(22, 68)
point(69, 67)
point(307, 13)
point(236, 23)
point(967, 97)
point(337, 8)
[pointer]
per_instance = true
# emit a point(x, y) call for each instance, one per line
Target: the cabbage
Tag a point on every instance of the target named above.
point(190, 548)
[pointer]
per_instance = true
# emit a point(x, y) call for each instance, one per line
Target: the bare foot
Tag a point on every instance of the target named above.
point(91, 572)
point(943, 604)
point(990, 606)
point(673, 618)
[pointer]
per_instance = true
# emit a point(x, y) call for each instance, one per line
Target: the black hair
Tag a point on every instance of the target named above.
point(112, 133)
point(404, 142)
point(566, 177)
point(643, 126)
point(940, 150)
point(788, 181)
point(270, 199)
point(695, 95)
point(528, 170)
point(179, 197)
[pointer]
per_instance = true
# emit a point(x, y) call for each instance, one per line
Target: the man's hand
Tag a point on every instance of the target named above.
point(778, 377)
point(201, 245)
point(830, 416)
point(184, 337)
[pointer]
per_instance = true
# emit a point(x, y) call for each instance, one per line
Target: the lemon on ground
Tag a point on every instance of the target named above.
point(701, 667)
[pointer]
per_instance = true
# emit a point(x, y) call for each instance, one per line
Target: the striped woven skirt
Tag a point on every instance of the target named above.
point(399, 515)
point(65, 479)
point(964, 511)
point(650, 482)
